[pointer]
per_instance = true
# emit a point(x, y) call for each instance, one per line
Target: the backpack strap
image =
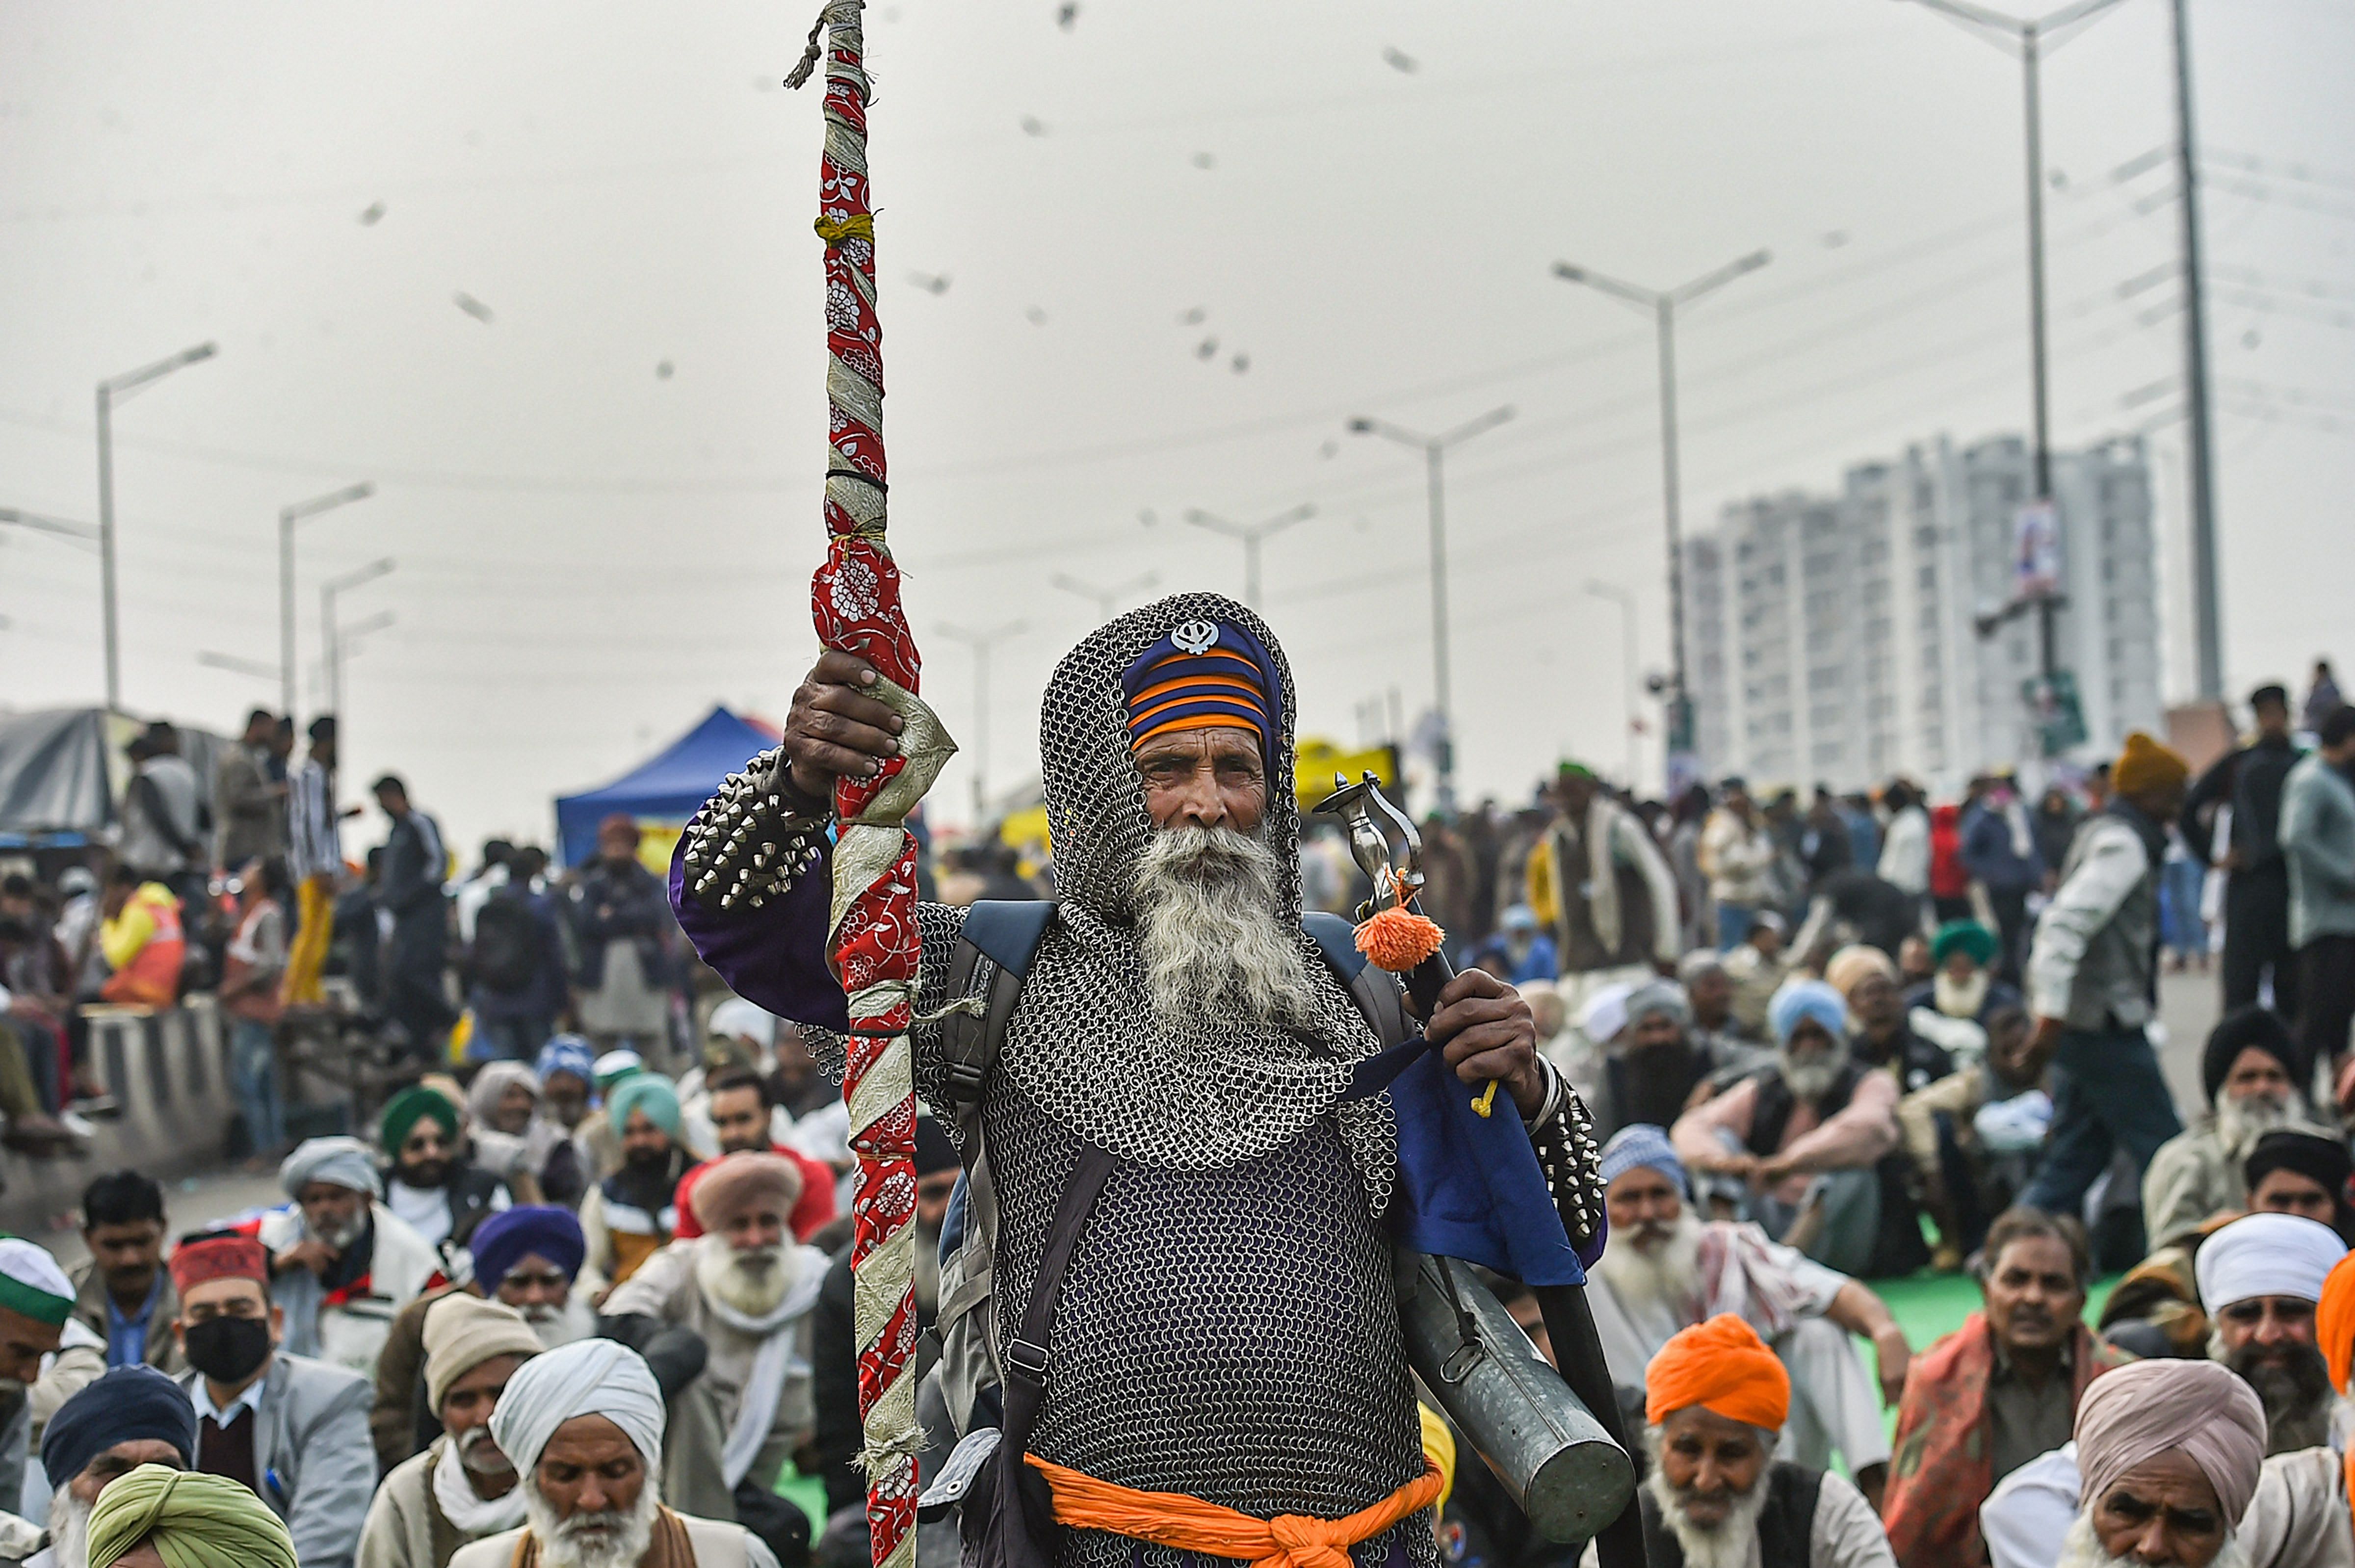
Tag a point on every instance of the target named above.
point(993, 950)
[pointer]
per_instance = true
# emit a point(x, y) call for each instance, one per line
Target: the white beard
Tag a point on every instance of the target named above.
point(751, 1282)
point(617, 1541)
point(1214, 953)
point(69, 1529)
point(1669, 1273)
point(1730, 1544)
point(1963, 1001)
point(1808, 1078)
point(2240, 1123)
point(557, 1325)
point(2081, 1548)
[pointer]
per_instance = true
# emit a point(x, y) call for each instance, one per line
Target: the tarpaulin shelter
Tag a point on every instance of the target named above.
point(62, 770)
point(660, 793)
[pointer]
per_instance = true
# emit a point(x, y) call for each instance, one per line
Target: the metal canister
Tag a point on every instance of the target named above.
point(1553, 1457)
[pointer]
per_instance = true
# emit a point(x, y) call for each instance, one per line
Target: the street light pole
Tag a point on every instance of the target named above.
point(981, 643)
point(112, 390)
point(2028, 35)
point(1106, 599)
point(287, 518)
point(1434, 456)
point(1662, 305)
point(1626, 603)
point(1251, 535)
point(2207, 603)
point(331, 640)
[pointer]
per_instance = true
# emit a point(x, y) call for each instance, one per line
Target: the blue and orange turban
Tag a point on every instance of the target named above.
point(1204, 675)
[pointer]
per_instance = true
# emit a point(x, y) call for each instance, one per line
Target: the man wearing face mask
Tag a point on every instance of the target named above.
point(341, 1263)
point(292, 1430)
point(462, 1487)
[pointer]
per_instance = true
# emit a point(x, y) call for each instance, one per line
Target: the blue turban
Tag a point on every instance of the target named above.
point(648, 1091)
point(1641, 1143)
point(1808, 999)
point(509, 1236)
point(126, 1406)
point(1205, 674)
point(566, 1053)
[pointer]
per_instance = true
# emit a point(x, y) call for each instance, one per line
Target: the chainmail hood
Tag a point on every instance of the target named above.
point(1084, 1043)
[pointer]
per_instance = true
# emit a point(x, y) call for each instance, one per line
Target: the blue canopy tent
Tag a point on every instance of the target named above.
point(663, 792)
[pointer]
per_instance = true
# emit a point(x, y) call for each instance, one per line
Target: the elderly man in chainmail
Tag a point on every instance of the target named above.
point(1227, 1326)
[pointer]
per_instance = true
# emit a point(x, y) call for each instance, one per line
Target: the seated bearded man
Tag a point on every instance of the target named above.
point(2299, 1517)
point(341, 1263)
point(1714, 1496)
point(461, 1487)
point(2260, 1278)
point(2168, 1456)
point(745, 1288)
point(1226, 1328)
point(584, 1428)
point(129, 1417)
point(1666, 1270)
point(2250, 1070)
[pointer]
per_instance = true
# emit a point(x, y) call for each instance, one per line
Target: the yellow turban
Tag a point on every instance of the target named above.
point(193, 1521)
point(1720, 1365)
point(2145, 764)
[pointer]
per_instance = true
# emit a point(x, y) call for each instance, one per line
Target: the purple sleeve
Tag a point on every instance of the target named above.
point(773, 957)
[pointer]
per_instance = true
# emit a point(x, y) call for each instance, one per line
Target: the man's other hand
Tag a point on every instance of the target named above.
point(1485, 1032)
point(834, 730)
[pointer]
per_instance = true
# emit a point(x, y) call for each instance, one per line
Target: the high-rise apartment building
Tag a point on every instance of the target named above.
point(1833, 638)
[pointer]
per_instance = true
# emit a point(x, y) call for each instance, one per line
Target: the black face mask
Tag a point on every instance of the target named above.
point(226, 1350)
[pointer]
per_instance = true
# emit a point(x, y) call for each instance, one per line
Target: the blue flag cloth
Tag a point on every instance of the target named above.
point(1469, 1186)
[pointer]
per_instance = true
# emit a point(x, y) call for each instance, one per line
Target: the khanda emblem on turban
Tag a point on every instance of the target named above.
point(1194, 636)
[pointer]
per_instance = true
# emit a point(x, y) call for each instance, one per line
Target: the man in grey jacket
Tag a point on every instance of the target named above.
point(2092, 984)
point(249, 806)
point(293, 1430)
point(2317, 839)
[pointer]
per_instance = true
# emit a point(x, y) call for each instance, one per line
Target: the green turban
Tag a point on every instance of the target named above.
point(1570, 769)
point(1969, 936)
point(648, 1091)
point(193, 1521)
point(406, 1108)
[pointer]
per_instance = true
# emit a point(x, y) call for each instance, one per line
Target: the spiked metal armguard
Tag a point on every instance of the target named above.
point(753, 839)
point(1564, 1139)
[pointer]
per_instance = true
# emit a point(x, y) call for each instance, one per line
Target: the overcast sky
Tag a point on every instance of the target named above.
point(603, 499)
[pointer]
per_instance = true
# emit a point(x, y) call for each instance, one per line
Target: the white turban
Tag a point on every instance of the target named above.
point(588, 1377)
point(339, 1162)
point(1605, 1013)
point(2266, 1254)
point(736, 1016)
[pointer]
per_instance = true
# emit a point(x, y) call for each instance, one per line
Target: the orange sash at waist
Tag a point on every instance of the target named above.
point(1189, 1524)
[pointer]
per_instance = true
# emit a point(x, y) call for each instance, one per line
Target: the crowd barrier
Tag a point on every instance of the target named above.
point(168, 1072)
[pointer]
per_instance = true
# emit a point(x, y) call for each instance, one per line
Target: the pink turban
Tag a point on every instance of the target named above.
point(2130, 1417)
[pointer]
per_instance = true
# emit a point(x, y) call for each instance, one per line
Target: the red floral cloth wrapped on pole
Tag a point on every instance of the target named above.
point(855, 598)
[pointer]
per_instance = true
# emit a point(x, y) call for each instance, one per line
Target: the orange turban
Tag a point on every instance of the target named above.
point(2334, 1321)
point(1723, 1367)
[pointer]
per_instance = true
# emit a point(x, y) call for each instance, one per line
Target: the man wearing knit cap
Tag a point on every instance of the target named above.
point(2249, 1072)
point(2092, 981)
point(632, 1212)
point(2260, 1278)
point(584, 1428)
point(461, 1488)
point(1800, 1145)
point(429, 1181)
point(2305, 1174)
point(292, 1430)
point(1715, 1399)
point(341, 1264)
point(747, 1289)
point(1665, 1270)
point(132, 1416)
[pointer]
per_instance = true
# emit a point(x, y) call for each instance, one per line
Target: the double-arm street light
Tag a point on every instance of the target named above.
point(2029, 36)
point(287, 518)
point(1661, 305)
point(111, 392)
point(332, 638)
point(1107, 600)
point(1252, 535)
point(981, 643)
point(1434, 451)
